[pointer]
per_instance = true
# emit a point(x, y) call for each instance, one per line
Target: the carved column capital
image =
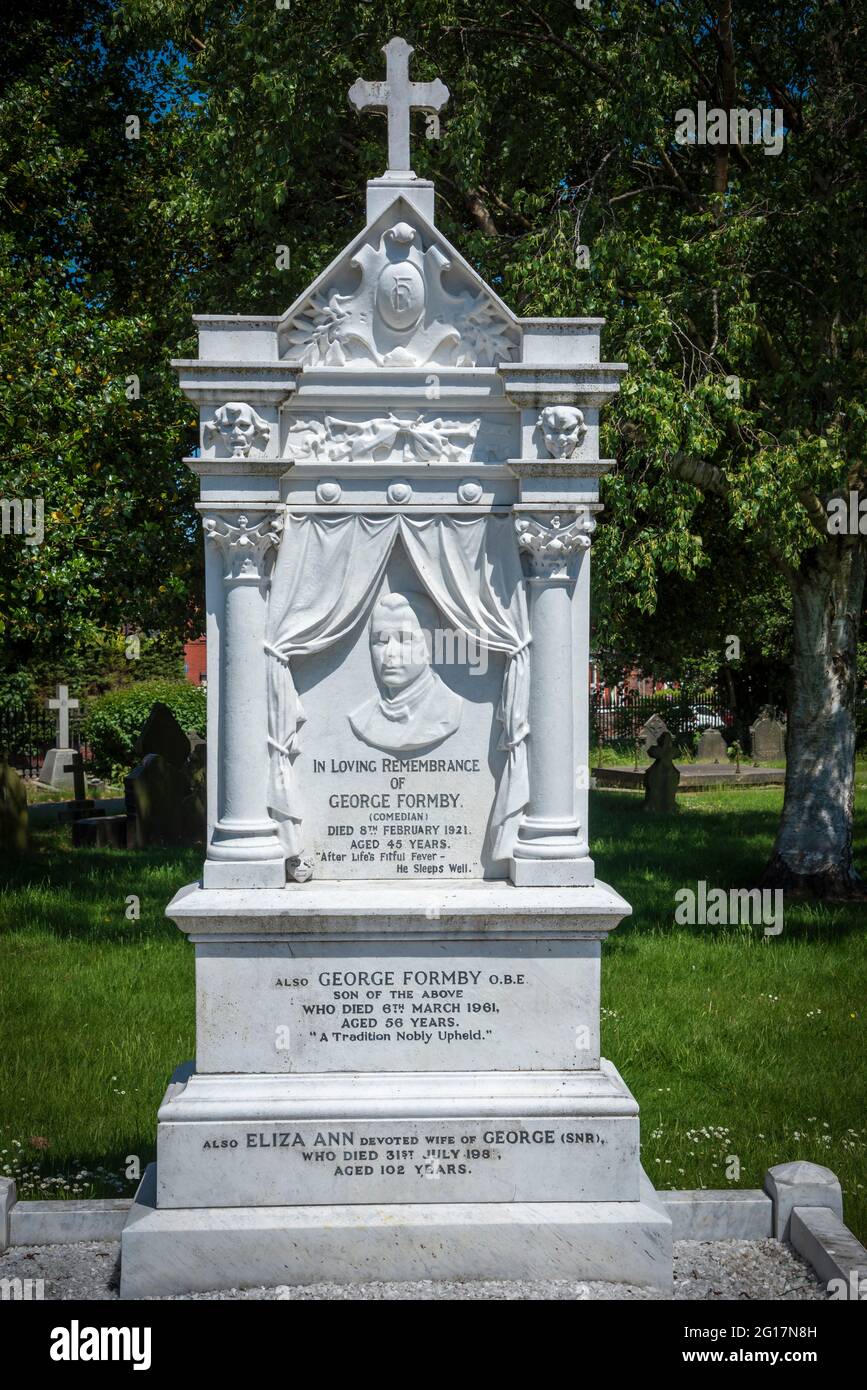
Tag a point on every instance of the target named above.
point(552, 542)
point(245, 545)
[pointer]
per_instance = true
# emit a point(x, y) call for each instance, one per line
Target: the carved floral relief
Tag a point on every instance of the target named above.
point(410, 439)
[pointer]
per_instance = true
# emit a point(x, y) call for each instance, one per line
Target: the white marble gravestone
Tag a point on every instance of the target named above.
point(57, 766)
point(398, 927)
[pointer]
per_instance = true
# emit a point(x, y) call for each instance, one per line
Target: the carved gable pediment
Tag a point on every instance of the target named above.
point(399, 296)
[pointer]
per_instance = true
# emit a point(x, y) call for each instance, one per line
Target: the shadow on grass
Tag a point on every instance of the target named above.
point(85, 893)
point(648, 858)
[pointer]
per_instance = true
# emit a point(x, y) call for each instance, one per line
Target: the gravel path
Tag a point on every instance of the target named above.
point(731, 1269)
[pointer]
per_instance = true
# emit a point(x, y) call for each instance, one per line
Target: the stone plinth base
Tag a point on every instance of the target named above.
point(555, 873)
point(238, 874)
point(416, 1138)
point(396, 1082)
point(56, 770)
point(190, 1251)
point(385, 977)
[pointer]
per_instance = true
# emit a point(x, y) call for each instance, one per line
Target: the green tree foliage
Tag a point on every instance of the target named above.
point(92, 278)
point(732, 279)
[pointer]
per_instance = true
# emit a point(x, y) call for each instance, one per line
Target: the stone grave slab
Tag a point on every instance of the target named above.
point(768, 739)
point(162, 734)
point(711, 747)
point(100, 832)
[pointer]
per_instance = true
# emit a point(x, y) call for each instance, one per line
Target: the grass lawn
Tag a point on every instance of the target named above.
point(743, 1051)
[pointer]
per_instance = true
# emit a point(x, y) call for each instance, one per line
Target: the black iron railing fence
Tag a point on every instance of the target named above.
point(685, 714)
point(26, 735)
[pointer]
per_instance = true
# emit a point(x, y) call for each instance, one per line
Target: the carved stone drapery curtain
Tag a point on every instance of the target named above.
point(327, 574)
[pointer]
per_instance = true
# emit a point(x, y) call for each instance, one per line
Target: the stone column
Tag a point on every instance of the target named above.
point(552, 847)
point(245, 849)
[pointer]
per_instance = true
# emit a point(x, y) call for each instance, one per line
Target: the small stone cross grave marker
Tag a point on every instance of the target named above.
point(56, 770)
point(79, 782)
point(63, 704)
point(662, 778)
point(651, 732)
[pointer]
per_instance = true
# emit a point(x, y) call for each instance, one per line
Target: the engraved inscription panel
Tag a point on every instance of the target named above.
point(398, 762)
point(549, 1158)
point(457, 1006)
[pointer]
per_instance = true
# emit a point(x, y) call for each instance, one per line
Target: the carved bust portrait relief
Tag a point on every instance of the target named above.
point(415, 708)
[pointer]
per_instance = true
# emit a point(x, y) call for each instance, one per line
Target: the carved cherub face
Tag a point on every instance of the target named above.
point(397, 646)
point(301, 868)
point(240, 427)
point(562, 428)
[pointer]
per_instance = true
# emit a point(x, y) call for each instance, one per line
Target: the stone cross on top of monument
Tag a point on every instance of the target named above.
point(399, 97)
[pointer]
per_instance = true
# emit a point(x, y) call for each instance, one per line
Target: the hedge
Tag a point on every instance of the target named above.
point(114, 721)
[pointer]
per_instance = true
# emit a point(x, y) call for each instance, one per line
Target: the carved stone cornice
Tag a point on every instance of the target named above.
point(551, 545)
point(245, 546)
point(560, 468)
point(213, 383)
point(534, 386)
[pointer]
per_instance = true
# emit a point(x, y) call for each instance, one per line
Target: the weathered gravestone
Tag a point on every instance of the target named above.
point(163, 736)
point(14, 833)
point(165, 794)
point(398, 927)
point(711, 747)
point(662, 778)
point(57, 766)
point(651, 732)
point(768, 739)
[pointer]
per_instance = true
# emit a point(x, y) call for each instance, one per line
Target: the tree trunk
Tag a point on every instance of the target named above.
point(813, 849)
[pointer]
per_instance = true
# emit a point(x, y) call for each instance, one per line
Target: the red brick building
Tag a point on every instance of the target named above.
point(196, 661)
